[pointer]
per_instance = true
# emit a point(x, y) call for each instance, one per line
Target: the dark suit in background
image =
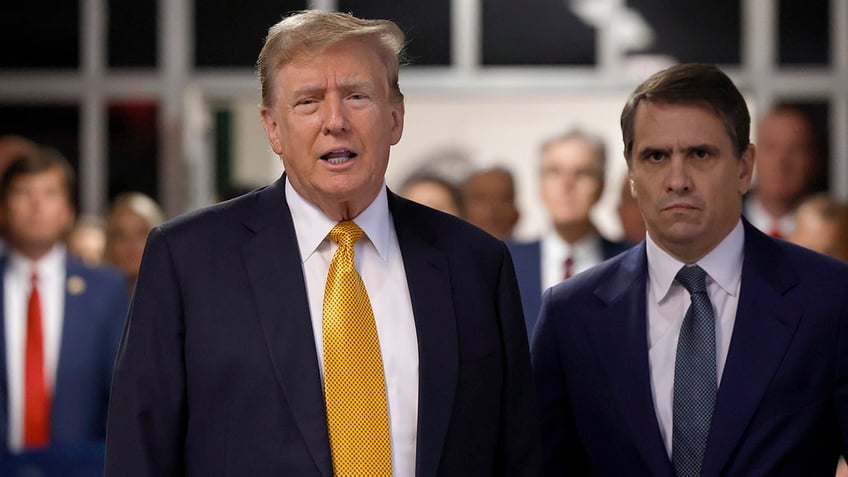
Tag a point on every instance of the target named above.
point(527, 257)
point(95, 307)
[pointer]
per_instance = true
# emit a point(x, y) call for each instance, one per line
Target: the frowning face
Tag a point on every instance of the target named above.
point(686, 177)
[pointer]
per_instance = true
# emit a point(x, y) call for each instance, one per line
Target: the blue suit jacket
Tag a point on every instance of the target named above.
point(217, 373)
point(527, 257)
point(95, 308)
point(782, 405)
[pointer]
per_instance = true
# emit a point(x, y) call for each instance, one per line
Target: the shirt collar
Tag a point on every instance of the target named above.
point(723, 264)
point(558, 249)
point(312, 226)
point(47, 267)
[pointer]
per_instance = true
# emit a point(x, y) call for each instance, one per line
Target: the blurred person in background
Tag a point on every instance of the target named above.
point(632, 222)
point(131, 217)
point(12, 146)
point(488, 199)
point(432, 191)
point(786, 165)
point(87, 239)
point(61, 322)
point(821, 224)
point(571, 181)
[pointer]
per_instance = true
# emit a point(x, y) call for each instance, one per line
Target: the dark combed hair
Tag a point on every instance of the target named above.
point(692, 83)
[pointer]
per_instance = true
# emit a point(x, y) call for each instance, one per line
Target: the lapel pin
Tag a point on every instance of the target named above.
point(76, 284)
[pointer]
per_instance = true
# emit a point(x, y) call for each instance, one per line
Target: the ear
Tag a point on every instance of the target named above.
point(272, 132)
point(746, 169)
point(398, 111)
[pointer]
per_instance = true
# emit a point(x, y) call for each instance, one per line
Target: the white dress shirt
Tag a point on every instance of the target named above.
point(586, 253)
point(51, 289)
point(667, 305)
point(378, 259)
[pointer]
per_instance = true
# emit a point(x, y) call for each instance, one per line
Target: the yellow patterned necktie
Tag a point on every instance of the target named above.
point(354, 386)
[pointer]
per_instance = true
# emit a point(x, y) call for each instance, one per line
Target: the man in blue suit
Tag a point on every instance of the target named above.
point(225, 365)
point(571, 181)
point(60, 324)
point(710, 349)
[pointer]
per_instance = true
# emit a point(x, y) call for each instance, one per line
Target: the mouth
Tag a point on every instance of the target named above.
point(339, 156)
point(680, 206)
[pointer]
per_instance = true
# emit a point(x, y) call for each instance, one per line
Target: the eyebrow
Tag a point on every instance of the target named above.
point(710, 148)
point(650, 150)
point(352, 85)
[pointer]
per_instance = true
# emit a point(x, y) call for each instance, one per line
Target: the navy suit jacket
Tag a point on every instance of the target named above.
point(527, 257)
point(95, 308)
point(217, 372)
point(782, 404)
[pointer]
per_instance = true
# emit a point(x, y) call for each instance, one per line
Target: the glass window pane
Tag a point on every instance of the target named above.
point(804, 33)
point(535, 32)
point(693, 30)
point(230, 34)
point(426, 24)
point(35, 36)
point(133, 148)
point(132, 33)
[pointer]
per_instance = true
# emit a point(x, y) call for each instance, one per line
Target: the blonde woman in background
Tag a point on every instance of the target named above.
point(130, 219)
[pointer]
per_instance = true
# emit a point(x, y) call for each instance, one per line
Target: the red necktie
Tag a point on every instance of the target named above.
point(569, 265)
point(37, 398)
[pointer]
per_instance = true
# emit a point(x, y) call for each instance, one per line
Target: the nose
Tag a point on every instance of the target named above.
point(678, 179)
point(335, 119)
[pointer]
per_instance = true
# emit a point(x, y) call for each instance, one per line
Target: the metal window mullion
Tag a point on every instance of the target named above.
point(93, 168)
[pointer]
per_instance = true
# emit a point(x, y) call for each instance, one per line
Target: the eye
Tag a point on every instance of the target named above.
point(306, 105)
point(701, 153)
point(655, 156)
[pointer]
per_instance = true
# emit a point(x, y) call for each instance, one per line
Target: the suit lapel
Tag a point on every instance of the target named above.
point(620, 336)
point(428, 279)
point(761, 334)
point(274, 269)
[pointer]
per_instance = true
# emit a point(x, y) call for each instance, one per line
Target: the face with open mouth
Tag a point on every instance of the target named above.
point(333, 122)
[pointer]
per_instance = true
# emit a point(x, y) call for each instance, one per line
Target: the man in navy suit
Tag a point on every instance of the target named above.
point(222, 365)
point(60, 324)
point(762, 341)
point(571, 181)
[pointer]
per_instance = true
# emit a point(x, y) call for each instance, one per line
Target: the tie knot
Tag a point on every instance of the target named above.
point(346, 233)
point(33, 278)
point(693, 278)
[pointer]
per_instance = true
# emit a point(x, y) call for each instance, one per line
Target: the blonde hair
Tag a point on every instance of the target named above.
point(140, 204)
point(315, 30)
